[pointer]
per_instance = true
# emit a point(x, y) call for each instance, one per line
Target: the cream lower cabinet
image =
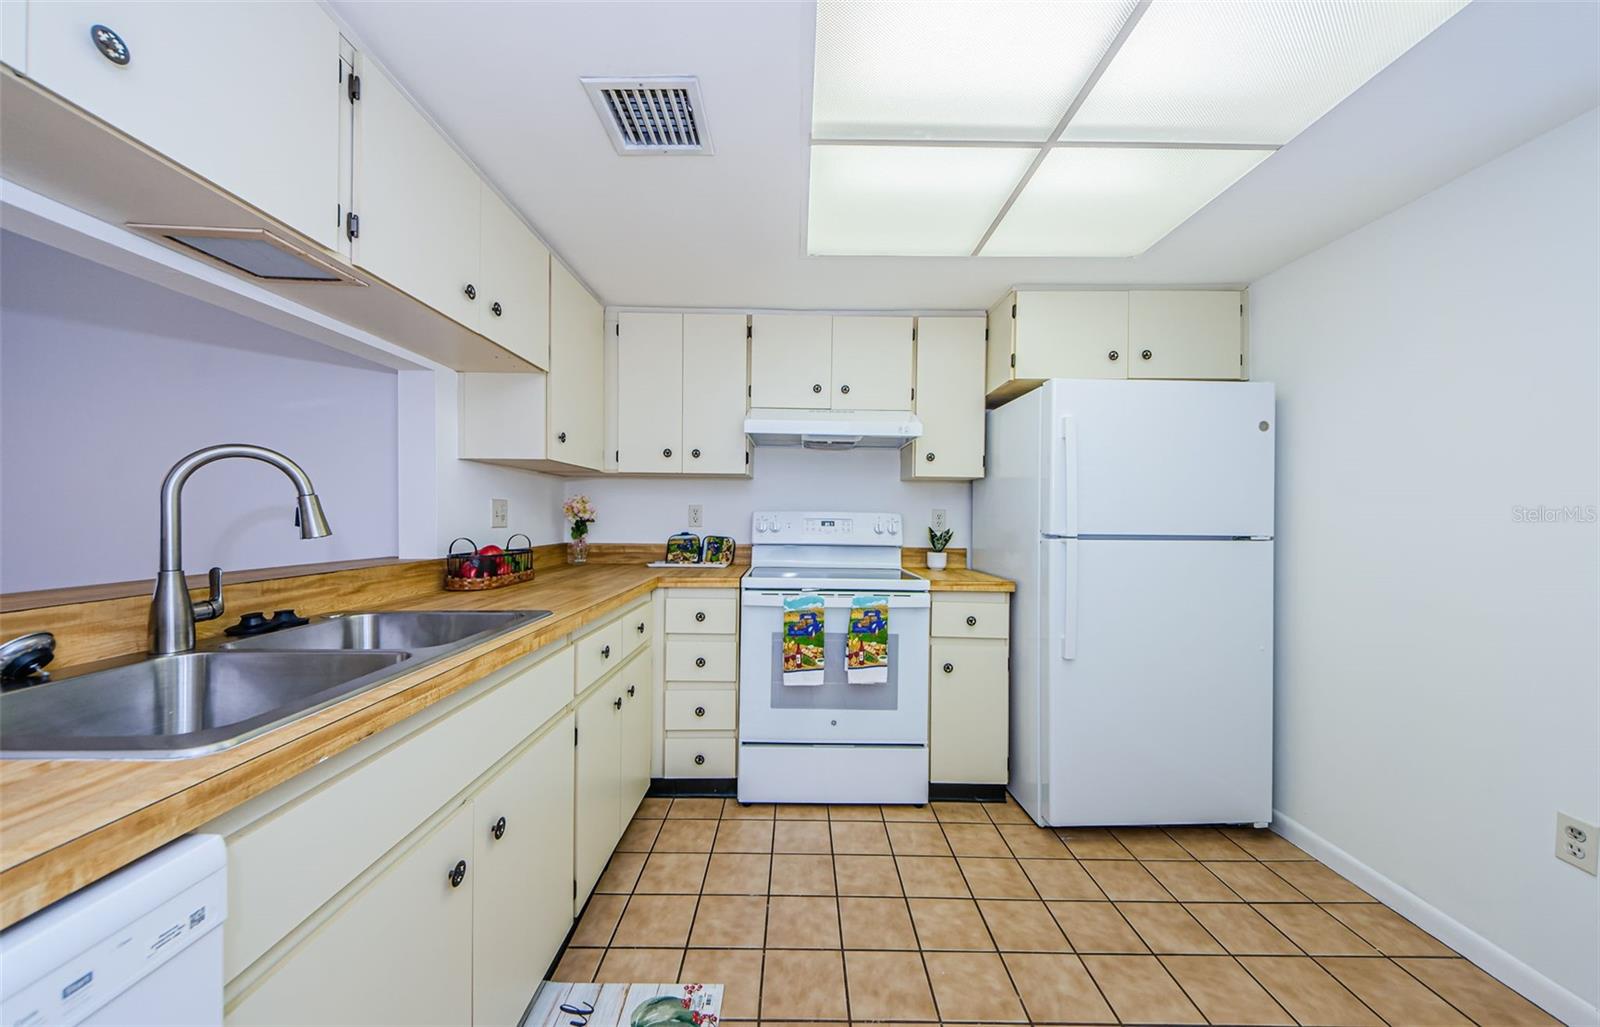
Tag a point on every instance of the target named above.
point(613, 764)
point(700, 715)
point(969, 694)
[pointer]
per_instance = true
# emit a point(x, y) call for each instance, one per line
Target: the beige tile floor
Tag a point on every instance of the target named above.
point(968, 913)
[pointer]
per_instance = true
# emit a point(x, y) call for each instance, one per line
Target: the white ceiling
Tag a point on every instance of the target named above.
point(726, 230)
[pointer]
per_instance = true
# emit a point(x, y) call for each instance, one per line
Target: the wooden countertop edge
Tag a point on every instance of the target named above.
point(40, 876)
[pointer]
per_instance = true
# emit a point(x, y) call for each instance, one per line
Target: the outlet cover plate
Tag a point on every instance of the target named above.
point(499, 513)
point(696, 516)
point(1576, 842)
point(941, 520)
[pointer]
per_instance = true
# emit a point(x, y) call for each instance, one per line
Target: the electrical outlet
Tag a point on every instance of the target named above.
point(696, 516)
point(499, 513)
point(1575, 842)
point(941, 520)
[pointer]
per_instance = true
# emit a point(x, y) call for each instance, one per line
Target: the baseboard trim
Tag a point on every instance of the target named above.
point(944, 791)
point(1554, 999)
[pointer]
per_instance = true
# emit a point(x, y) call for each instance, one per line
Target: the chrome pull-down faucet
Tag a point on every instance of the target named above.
point(172, 612)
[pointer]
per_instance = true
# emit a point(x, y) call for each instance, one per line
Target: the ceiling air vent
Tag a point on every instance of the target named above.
point(651, 115)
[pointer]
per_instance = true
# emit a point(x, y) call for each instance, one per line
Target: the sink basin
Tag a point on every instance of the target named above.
point(401, 629)
point(182, 705)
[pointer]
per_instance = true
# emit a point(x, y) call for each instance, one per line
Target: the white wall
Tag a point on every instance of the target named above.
point(1436, 657)
point(106, 380)
point(650, 509)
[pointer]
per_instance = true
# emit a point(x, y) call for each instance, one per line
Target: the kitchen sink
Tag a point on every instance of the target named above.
point(400, 629)
point(193, 703)
point(182, 705)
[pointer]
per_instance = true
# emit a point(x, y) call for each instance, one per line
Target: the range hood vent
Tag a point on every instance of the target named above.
point(255, 252)
point(661, 115)
point(832, 429)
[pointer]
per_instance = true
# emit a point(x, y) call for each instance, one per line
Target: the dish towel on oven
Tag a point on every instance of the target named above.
point(803, 640)
point(866, 648)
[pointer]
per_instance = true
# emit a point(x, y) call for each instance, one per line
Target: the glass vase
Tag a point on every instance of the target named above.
point(578, 551)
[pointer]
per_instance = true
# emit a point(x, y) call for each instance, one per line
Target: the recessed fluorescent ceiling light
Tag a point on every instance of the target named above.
point(908, 200)
point(1114, 202)
point(1235, 79)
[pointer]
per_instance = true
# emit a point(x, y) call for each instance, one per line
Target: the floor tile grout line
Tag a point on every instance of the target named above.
point(1006, 967)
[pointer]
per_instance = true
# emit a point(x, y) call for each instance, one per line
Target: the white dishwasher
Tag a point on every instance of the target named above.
point(140, 946)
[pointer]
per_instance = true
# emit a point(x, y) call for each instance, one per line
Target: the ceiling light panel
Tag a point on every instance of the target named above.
point(1113, 202)
point(908, 200)
point(1246, 72)
point(955, 70)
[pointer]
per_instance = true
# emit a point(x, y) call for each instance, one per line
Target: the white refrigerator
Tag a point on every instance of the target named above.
point(1136, 518)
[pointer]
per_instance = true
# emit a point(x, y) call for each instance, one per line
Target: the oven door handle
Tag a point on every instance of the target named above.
point(836, 600)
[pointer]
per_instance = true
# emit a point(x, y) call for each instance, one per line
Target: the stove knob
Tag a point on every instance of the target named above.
point(894, 527)
point(877, 527)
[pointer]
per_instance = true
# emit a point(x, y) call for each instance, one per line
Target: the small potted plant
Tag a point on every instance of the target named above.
point(937, 559)
point(580, 514)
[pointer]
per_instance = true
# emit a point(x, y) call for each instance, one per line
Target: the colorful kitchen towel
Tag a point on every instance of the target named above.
point(803, 640)
point(866, 649)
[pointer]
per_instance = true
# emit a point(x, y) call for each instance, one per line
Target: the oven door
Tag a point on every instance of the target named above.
point(836, 711)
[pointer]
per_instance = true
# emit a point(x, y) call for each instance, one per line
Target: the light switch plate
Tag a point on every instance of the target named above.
point(1575, 842)
point(499, 513)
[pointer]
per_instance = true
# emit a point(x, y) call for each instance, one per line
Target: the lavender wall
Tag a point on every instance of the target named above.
point(105, 380)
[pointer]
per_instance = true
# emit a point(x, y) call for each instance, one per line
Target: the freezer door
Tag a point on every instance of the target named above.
point(1157, 680)
point(1160, 458)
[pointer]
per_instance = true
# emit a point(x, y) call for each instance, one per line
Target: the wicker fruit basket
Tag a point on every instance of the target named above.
point(488, 567)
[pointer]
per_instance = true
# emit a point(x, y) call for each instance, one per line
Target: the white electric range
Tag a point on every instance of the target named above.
point(835, 742)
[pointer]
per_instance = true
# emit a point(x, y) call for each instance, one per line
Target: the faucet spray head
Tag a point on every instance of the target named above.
point(310, 518)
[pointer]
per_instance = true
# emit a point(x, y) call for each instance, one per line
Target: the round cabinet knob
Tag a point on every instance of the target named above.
point(497, 309)
point(562, 437)
point(1113, 355)
point(458, 873)
point(631, 690)
point(699, 711)
point(949, 668)
point(110, 45)
point(617, 702)
point(640, 628)
point(972, 622)
point(699, 759)
point(605, 652)
point(929, 458)
point(816, 388)
point(700, 616)
point(1144, 355)
point(699, 661)
point(845, 389)
point(471, 291)
point(499, 829)
point(695, 453)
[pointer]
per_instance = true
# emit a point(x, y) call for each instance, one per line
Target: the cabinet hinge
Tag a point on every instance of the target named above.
point(1013, 360)
point(913, 333)
point(986, 335)
point(616, 455)
point(619, 329)
point(353, 87)
point(1241, 360)
point(574, 887)
point(748, 392)
point(749, 332)
point(352, 225)
point(574, 743)
point(747, 458)
point(913, 392)
point(1013, 311)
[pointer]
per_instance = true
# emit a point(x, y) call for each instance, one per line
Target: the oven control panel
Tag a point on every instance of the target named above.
point(872, 529)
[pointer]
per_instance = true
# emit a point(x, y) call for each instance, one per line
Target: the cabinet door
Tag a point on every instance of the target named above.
point(636, 732)
point(597, 816)
point(399, 952)
point(245, 95)
point(872, 363)
point(949, 399)
point(715, 375)
point(967, 711)
point(419, 204)
point(1001, 337)
point(650, 393)
point(576, 388)
point(522, 899)
point(1184, 334)
point(790, 356)
point(1072, 335)
point(514, 281)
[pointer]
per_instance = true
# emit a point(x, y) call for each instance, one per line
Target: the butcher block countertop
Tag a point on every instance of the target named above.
point(66, 823)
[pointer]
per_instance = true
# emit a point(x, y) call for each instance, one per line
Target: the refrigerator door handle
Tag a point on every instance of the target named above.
point(1063, 513)
point(1064, 570)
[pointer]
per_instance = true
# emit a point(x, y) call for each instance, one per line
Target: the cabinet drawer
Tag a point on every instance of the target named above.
point(702, 615)
point(968, 711)
point(700, 755)
point(971, 618)
point(598, 652)
point(701, 709)
point(635, 625)
point(702, 659)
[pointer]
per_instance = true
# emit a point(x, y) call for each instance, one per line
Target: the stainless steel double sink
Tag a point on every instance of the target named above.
point(190, 704)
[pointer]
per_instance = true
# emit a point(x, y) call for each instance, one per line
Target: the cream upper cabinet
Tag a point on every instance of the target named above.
point(419, 204)
point(715, 374)
point(399, 952)
point(575, 422)
point(1185, 334)
point(650, 393)
point(950, 356)
point(522, 896)
point(514, 282)
point(871, 363)
point(245, 95)
point(1038, 335)
point(790, 361)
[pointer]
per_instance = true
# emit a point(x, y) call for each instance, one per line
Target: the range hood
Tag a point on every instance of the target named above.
point(832, 429)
